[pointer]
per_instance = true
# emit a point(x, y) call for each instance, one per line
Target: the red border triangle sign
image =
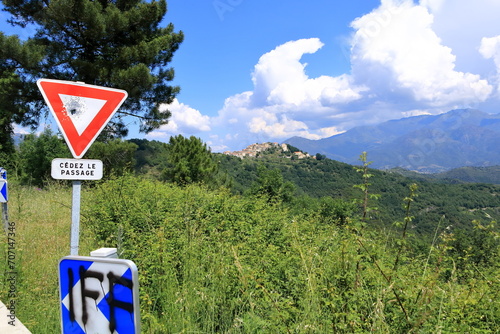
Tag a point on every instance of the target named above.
point(81, 111)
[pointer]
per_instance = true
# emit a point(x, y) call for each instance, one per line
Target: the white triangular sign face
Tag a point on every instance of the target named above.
point(81, 111)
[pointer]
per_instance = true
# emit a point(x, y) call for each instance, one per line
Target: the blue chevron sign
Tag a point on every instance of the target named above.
point(3, 185)
point(99, 295)
point(3, 191)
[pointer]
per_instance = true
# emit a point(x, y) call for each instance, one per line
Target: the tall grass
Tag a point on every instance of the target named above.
point(215, 263)
point(42, 219)
point(211, 262)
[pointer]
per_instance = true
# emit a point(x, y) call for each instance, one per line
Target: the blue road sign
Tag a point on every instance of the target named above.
point(99, 295)
point(3, 191)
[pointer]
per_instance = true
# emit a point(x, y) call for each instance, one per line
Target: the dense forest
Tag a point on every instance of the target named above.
point(266, 244)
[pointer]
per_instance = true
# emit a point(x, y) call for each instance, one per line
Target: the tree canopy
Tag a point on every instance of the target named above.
point(270, 184)
point(189, 161)
point(36, 154)
point(15, 96)
point(112, 43)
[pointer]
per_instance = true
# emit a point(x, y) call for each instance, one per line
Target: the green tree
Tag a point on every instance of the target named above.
point(320, 156)
point(479, 246)
point(336, 211)
point(150, 156)
point(293, 149)
point(270, 183)
point(36, 154)
point(14, 98)
point(117, 44)
point(116, 155)
point(189, 161)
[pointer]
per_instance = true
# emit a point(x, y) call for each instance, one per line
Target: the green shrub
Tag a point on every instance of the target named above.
point(212, 262)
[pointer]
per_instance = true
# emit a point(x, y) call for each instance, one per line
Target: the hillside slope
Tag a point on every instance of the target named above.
point(452, 203)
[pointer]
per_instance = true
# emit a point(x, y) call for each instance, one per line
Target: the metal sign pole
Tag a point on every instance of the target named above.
point(5, 217)
point(75, 217)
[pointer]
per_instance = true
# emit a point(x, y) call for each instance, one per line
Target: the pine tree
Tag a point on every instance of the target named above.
point(189, 161)
point(112, 43)
point(15, 98)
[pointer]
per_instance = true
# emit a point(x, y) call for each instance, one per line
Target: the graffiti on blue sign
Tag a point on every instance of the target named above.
point(98, 295)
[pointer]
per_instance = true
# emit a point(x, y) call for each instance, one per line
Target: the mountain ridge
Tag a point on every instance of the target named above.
point(425, 143)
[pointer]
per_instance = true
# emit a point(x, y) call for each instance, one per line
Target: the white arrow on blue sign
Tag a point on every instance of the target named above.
point(99, 295)
point(3, 191)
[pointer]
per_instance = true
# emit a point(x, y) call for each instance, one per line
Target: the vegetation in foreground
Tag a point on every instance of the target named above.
point(268, 245)
point(214, 262)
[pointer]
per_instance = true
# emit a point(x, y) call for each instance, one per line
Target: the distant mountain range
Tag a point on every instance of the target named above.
point(427, 143)
point(488, 175)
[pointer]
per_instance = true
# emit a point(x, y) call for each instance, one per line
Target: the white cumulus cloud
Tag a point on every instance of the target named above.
point(279, 79)
point(490, 49)
point(395, 50)
point(185, 120)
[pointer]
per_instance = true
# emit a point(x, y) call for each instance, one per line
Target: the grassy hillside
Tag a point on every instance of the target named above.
point(213, 262)
point(456, 205)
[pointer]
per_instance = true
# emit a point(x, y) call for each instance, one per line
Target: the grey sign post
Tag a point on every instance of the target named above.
point(4, 198)
point(76, 170)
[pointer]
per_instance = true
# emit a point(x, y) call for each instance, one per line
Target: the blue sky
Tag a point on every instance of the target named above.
point(261, 70)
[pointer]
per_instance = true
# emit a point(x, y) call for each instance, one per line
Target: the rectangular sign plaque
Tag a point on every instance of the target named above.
point(76, 169)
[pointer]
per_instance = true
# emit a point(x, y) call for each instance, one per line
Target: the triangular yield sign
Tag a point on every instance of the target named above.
point(81, 111)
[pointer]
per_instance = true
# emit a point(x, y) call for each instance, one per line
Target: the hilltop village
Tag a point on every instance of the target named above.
point(256, 150)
